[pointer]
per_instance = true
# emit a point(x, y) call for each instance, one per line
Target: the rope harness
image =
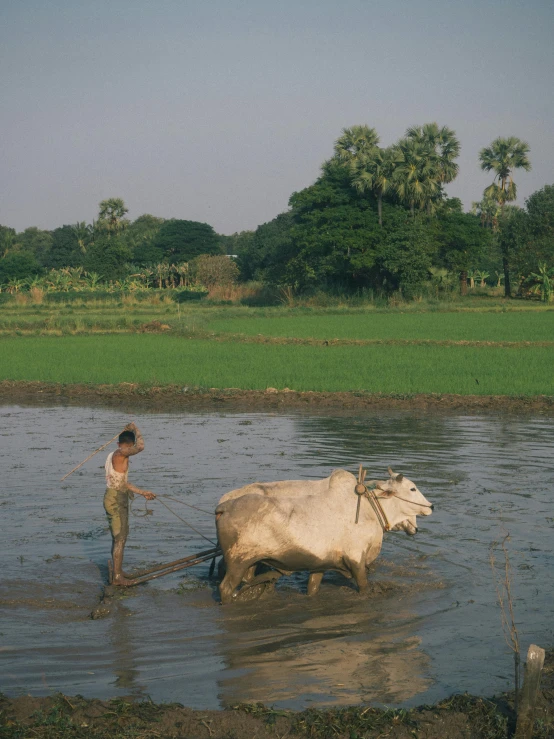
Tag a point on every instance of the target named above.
point(365, 491)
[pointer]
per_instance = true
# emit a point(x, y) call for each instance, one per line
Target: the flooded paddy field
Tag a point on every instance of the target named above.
point(429, 626)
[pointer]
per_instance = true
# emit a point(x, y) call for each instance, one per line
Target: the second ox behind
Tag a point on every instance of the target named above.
point(296, 525)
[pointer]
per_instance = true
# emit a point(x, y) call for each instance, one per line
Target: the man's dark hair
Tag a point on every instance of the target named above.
point(126, 437)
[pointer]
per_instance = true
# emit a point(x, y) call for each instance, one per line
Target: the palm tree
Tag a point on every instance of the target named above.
point(488, 211)
point(416, 175)
point(374, 171)
point(110, 215)
point(355, 142)
point(443, 146)
point(502, 157)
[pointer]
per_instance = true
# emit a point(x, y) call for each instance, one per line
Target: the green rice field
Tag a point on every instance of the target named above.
point(155, 359)
point(439, 326)
point(510, 349)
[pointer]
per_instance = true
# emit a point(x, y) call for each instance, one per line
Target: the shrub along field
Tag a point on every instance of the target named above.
point(419, 349)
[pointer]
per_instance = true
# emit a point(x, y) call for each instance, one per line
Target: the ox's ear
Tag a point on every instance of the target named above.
point(399, 478)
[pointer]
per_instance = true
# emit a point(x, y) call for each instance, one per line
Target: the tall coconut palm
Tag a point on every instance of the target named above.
point(443, 146)
point(355, 142)
point(374, 172)
point(502, 157)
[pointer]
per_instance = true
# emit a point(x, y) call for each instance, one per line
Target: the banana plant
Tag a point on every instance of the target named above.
point(92, 280)
point(482, 276)
point(541, 282)
point(15, 285)
point(162, 273)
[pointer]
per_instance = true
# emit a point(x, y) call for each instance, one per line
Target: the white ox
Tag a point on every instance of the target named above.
point(310, 525)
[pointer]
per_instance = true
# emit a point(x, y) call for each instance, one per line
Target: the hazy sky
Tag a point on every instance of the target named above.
point(217, 110)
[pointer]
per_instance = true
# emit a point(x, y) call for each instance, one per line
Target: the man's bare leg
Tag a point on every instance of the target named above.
point(119, 577)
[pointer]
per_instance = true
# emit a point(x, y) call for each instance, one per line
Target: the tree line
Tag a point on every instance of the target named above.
point(108, 247)
point(376, 218)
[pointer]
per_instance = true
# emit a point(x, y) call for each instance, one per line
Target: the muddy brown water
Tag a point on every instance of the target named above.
point(429, 627)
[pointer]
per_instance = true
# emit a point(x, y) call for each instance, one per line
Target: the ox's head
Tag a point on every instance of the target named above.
point(406, 502)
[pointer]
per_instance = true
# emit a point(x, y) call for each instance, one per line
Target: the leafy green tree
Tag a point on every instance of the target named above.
point(182, 241)
point(108, 256)
point(236, 242)
point(502, 157)
point(35, 241)
point(140, 237)
point(259, 252)
point(526, 237)
point(540, 209)
point(18, 265)
point(463, 244)
point(335, 235)
point(65, 250)
point(7, 239)
point(407, 254)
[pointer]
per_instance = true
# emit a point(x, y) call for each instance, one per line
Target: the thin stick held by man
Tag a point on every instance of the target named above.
point(118, 492)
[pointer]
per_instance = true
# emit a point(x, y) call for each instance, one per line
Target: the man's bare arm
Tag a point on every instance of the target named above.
point(148, 494)
point(139, 442)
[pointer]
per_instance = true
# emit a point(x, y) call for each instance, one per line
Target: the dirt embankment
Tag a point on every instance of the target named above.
point(176, 397)
point(459, 717)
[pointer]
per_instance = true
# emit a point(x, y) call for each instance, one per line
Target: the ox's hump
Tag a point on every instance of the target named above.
point(339, 478)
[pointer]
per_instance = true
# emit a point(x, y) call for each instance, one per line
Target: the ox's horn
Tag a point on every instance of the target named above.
point(391, 473)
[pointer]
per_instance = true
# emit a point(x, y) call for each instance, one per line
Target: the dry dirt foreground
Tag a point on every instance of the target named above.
point(459, 717)
point(176, 397)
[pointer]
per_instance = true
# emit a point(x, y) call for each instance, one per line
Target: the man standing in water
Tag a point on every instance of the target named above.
point(118, 492)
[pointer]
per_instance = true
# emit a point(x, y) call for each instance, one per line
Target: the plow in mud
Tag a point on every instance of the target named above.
point(250, 590)
point(165, 569)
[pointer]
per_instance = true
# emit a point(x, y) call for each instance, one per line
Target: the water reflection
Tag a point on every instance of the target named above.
point(124, 653)
point(336, 649)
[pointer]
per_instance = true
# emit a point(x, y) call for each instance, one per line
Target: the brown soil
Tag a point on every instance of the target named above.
point(175, 397)
point(462, 716)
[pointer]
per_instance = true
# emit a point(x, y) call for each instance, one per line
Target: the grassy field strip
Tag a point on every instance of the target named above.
point(162, 359)
point(494, 327)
